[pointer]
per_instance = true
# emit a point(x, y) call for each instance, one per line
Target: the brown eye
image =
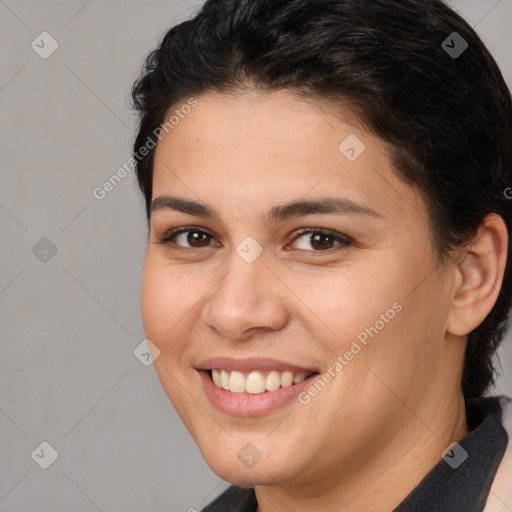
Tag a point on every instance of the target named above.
point(195, 238)
point(198, 238)
point(321, 240)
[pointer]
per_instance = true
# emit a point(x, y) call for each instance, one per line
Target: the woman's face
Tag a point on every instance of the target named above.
point(359, 311)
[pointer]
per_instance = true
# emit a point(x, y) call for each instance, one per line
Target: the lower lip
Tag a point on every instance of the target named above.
point(247, 404)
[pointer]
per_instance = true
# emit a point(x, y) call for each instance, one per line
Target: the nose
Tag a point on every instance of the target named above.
point(249, 299)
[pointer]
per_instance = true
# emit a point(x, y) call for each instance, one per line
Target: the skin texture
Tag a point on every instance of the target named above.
point(370, 436)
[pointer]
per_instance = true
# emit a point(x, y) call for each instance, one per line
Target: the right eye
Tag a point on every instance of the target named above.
point(192, 235)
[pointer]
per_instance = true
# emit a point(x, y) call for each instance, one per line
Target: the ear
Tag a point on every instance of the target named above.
point(478, 276)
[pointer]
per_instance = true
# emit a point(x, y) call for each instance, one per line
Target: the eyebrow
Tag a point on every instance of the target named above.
point(327, 205)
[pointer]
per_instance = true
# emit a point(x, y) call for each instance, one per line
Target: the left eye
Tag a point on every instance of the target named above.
point(321, 240)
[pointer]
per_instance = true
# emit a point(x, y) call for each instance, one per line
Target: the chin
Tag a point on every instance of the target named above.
point(235, 474)
point(247, 466)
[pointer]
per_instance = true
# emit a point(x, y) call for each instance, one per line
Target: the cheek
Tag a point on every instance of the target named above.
point(354, 298)
point(164, 300)
point(153, 290)
point(164, 307)
point(371, 304)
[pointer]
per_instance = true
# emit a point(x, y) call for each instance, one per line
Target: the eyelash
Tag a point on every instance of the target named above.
point(343, 240)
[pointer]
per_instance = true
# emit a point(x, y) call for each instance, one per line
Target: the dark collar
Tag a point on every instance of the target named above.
point(450, 486)
point(466, 487)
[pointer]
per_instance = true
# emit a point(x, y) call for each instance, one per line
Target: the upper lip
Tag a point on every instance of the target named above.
point(251, 364)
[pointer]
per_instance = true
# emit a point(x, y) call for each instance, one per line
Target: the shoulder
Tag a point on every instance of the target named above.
point(234, 499)
point(500, 495)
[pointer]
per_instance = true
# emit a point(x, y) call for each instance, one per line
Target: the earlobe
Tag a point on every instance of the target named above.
point(479, 275)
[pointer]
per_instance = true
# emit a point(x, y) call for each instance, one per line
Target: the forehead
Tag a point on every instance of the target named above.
point(273, 124)
point(274, 148)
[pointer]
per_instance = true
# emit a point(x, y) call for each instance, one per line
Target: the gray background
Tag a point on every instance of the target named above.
point(69, 325)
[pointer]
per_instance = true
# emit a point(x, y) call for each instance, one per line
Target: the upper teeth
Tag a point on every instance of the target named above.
point(255, 382)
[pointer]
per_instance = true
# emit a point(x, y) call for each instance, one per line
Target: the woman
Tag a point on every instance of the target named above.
point(327, 276)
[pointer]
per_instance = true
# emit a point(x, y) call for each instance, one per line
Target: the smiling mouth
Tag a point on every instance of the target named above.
point(256, 382)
